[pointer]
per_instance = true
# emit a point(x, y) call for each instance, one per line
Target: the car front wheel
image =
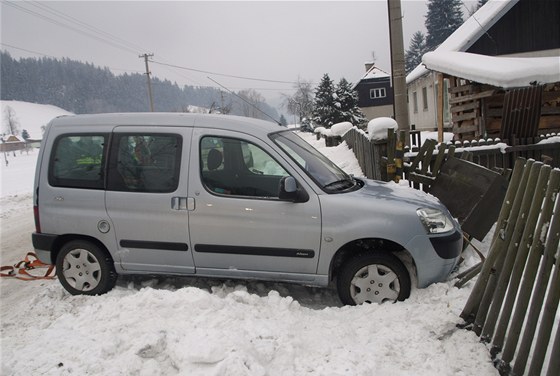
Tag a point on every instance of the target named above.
point(84, 268)
point(373, 278)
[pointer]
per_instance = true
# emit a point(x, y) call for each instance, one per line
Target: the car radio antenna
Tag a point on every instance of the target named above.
point(244, 100)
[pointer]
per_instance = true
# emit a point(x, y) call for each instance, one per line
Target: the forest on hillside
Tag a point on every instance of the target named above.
point(83, 88)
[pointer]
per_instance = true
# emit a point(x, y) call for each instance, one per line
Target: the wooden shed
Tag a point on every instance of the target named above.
point(502, 97)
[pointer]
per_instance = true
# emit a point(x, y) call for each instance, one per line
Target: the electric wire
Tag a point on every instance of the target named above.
point(86, 25)
point(223, 74)
point(25, 50)
point(61, 24)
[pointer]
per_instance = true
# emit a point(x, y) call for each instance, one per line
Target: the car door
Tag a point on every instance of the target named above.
point(239, 226)
point(146, 198)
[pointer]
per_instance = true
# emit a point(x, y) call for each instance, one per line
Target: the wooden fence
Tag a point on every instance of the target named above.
point(369, 153)
point(490, 153)
point(514, 301)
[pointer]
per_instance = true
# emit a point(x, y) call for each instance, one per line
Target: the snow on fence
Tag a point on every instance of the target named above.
point(514, 301)
point(490, 153)
point(369, 153)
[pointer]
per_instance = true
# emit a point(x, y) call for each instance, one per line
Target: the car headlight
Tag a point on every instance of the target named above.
point(434, 220)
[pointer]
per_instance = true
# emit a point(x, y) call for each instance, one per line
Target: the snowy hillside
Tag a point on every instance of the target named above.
point(31, 116)
point(195, 326)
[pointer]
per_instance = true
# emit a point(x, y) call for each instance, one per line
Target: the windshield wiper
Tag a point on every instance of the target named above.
point(340, 185)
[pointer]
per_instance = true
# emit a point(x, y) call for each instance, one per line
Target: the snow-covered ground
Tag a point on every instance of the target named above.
point(194, 326)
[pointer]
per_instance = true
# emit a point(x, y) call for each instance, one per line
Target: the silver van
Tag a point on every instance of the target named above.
point(226, 197)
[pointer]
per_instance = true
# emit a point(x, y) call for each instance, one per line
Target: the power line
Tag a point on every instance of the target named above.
point(61, 24)
point(86, 25)
point(23, 49)
point(223, 74)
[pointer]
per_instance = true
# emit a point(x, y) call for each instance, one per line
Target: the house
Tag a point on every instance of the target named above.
point(11, 143)
point(375, 93)
point(500, 36)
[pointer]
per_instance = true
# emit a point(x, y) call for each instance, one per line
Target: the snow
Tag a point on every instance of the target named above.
point(339, 129)
point(374, 72)
point(550, 140)
point(377, 128)
point(196, 326)
point(447, 136)
point(31, 116)
point(505, 72)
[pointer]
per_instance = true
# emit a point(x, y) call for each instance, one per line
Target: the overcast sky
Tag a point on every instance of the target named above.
point(278, 41)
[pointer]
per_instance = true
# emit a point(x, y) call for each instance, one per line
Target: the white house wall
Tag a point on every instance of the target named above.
point(421, 118)
point(379, 111)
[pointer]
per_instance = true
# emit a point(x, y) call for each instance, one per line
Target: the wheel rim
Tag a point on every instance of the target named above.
point(374, 284)
point(81, 270)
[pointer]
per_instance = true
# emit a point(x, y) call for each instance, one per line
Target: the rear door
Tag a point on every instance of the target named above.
point(146, 198)
point(239, 226)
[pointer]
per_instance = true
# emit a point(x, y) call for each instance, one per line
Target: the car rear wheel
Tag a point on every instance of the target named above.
point(373, 278)
point(84, 268)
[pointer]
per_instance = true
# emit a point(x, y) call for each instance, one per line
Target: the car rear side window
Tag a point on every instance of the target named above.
point(77, 161)
point(145, 163)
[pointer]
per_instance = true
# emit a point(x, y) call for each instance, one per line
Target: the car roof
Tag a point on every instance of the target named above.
point(238, 123)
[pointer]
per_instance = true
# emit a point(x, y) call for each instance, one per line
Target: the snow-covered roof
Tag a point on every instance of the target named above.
point(470, 31)
point(375, 72)
point(505, 72)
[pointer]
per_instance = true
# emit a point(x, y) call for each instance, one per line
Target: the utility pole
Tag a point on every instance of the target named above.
point(400, 106)
point(146, 56)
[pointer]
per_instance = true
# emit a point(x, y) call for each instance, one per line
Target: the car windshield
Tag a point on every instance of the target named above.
point(324, 172)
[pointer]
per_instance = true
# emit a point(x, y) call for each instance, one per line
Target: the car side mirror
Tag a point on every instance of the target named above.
point(289, 191)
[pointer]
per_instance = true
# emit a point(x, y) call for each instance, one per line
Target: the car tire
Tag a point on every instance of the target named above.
point(83, 268)
point(373, 278)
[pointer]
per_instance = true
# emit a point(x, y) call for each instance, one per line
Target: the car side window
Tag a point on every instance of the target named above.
point(145, 163)
point(237, 167)
point(78, 161)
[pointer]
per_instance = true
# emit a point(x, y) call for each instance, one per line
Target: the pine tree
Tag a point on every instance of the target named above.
point(283, 121)
point(413, 56)
point(443, 18)
point(346, 105)
point(324, 108)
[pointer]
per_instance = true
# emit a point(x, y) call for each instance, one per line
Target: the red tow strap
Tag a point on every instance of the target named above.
point(30, 262)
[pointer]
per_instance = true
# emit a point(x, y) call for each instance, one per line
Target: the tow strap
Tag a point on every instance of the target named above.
point(30, 262)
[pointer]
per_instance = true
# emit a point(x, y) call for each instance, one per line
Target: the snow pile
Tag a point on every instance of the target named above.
point(319, 130)
point(339, 129)
point(31, 116)
point(550, 140)
point(342, 155)
point(447, 136)
point(228, 330)
point(377, 128)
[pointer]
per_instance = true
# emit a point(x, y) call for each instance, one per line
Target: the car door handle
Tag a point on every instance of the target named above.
point(182, 203)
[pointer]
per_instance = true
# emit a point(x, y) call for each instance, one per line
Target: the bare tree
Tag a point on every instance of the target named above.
point(12, 123)
point(300, 103)
point(251, 105)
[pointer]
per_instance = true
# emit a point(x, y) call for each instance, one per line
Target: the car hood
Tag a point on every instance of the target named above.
point(394, 192)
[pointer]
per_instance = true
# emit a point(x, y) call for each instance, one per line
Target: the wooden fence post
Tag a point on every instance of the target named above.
point(391, 166)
